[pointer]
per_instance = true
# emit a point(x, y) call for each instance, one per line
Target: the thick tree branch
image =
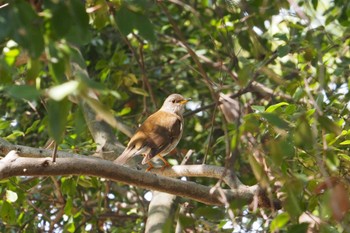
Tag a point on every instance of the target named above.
point(73, 164)
point(13, 165)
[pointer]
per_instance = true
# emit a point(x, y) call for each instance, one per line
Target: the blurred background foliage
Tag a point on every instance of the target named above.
point(279, 69)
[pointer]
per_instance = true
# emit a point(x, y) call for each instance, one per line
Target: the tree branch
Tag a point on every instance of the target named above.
point(72, 164)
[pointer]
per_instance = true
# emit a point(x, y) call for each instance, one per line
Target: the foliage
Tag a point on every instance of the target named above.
point(286, 64)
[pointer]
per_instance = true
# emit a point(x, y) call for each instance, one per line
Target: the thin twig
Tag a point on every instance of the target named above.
point(54, 152)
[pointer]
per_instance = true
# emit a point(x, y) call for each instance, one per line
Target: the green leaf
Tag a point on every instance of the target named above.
point(68, 206)
point(68, 186)
point(344, 156)
point(4, 124)
point(124, 20)
point(101, 16)
point(11, 196)
point(145, 27)
point(258, 108)
point(60, 92)
point(281, 36)
point(70, 226)
point(14, 135)
point(275, 120)
point(279, 222)
point(80, 32)
point(210, 212)
point(27, 28)
point(102, 111)
point(324, 228)
point(299, 228)
point(290, 109)
point(258, 171)
point(7, 213)
point(346, 142)
point(23, 92)
point(303, 135)
point(272, 108)
point(329, 125)
point(280, 150)
point(128, 20)
point(84, 182)
point(11, 55)
point(57, 114)
point(168, 225)
point(292, 203)
point(138, 91)
point(186, 221)
point(245, 74)
point(69, 20)
point(6, 24)
point(33, 127)
point(34, 68)
point(6, 72)
point(283, 50)
point(61, 20)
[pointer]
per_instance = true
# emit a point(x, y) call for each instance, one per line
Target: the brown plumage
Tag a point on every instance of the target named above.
point(159, 134)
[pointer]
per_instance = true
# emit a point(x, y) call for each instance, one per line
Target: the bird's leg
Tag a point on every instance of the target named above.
point(166, 164)
point(150, 166)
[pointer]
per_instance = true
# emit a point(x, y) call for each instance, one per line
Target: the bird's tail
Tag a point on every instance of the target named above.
point(124, 157)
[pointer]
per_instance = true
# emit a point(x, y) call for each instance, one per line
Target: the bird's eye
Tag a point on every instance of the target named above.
point(173, 101)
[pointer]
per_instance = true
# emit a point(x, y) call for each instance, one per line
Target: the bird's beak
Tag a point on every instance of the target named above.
point(184, 101)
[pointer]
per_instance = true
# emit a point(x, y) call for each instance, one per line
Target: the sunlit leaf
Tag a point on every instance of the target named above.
point(60, 92)
point(279, 222)
point(14, 135)
point(346, 142)
point(70, 226)
point(11, 196)
point(272, 108)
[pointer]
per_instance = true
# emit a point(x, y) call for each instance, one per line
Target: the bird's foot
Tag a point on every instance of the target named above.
point(165, 165)
point(150, 167)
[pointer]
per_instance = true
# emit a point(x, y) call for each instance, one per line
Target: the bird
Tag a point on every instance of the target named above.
point(159, 134)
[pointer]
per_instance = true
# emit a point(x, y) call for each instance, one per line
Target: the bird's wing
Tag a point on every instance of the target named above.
point(161, 135)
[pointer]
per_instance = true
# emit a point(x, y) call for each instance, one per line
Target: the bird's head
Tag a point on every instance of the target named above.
point(175, 103)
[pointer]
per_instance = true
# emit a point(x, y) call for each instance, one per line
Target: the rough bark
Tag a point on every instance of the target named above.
point(160, 212)
point(72, 164)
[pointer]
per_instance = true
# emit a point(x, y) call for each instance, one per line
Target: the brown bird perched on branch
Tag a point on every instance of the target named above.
point(159, 134)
